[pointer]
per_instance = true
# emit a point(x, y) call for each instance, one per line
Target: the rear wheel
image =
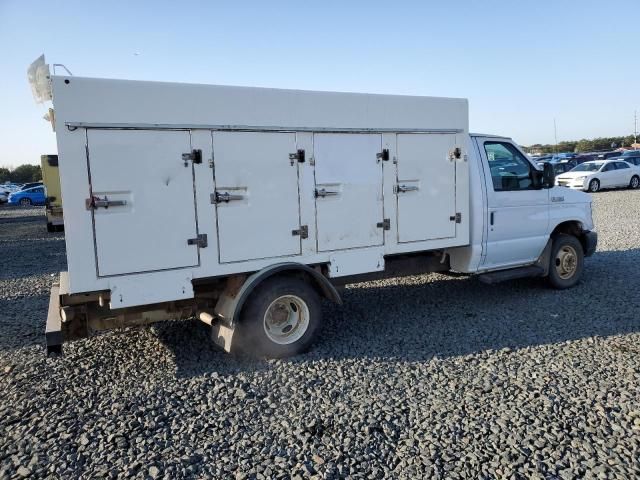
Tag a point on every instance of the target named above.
point(635, 182)
point(25, 202)
point(594, 185)
point(280, 318)
point(567, 262)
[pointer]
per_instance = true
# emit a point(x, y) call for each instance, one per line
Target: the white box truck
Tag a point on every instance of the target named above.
point(243, 207)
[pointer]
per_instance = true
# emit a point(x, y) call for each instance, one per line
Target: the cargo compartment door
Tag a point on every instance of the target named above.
point(348, 190)
point(426, 187)
point(256, 197)
point(142, 200)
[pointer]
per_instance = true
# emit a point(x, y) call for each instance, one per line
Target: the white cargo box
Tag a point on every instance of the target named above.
point(167, 183)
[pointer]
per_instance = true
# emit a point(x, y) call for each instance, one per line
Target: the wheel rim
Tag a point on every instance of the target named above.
point(25, 201)
point(593, 186)
point(634, 182)
point(566, 262)
point(286, 320)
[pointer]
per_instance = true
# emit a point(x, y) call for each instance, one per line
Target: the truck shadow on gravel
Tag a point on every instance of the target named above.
point(419, 318)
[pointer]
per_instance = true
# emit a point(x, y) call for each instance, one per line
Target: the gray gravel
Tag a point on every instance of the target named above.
point(424, 377)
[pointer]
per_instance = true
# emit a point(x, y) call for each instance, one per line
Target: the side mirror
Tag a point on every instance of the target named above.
point(548, 175)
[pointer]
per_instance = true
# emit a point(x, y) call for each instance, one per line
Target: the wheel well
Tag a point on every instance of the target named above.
point(569, 228)
point(303, 275)
point(317, 280)
point(573, 228)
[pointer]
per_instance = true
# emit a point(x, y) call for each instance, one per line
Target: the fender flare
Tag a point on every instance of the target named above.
point(229, 308)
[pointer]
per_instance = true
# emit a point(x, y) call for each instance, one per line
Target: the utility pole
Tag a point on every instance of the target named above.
point(555, 135)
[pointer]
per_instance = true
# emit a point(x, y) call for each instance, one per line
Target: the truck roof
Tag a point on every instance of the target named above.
point(489, 135)
point(85, 101)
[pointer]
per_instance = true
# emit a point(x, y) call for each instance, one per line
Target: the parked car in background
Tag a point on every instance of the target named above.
point(10, 187)
point(635, 160)
point(630, 153)
point(558, 168)
point(607, 155)
point(4, 196)
point(31, 185)
point(594, 175)
point(584, 157)
point(30, 196)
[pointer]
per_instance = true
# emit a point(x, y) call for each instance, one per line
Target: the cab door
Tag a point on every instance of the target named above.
point(517, 211)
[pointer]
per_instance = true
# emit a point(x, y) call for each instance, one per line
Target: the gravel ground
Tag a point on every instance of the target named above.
point(424, 377)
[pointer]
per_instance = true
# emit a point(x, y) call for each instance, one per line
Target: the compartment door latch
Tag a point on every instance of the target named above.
point(195, 156)
point(383, 155)
point(200, 241)
point(299, 157)
point(385, 224)
point(303, 231)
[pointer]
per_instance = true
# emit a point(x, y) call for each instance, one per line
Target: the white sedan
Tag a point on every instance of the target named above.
point(592, 176)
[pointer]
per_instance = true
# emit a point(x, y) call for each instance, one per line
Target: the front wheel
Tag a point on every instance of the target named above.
point(635, 182)
point(281, 318)
point(594, 185)
point(567, 262)
point(25, 202)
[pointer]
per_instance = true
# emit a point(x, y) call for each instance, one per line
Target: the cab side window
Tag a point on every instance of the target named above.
point(510, 170)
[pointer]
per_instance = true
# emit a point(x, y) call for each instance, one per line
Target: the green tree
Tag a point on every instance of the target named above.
point(26, 173)
point(5, 175)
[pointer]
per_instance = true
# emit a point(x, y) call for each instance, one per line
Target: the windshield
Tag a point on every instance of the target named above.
point(588, 167)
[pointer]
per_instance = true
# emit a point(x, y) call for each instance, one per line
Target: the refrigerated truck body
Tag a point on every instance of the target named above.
point(244, 206)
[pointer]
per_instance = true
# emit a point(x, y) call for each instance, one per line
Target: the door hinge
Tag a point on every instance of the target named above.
point(456, 218)
point(383, 155)
point(298, 156)
point(385, 224)
point(195, 156)
point(200, 240)
point(303, 231)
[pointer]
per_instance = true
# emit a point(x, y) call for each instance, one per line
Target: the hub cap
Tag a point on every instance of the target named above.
point(566, 262)
point(634, 182)
point(286, 320)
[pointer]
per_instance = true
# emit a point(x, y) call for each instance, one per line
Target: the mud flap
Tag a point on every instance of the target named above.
point(53, 331)
point(222, 335)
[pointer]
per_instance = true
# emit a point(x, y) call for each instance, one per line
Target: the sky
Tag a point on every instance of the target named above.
point(520, 64)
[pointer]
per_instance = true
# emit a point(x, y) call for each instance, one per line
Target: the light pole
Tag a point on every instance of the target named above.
point(555, 136)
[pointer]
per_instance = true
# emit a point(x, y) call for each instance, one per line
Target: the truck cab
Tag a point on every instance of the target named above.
point(518, 211)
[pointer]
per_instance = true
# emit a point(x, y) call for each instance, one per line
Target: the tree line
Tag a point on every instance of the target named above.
point(22, 174)
point(584, 145)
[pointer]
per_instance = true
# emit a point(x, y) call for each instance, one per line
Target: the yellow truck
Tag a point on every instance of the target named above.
point(51, 180)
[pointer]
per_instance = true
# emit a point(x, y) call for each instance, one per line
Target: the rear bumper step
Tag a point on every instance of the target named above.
point(504, 275)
